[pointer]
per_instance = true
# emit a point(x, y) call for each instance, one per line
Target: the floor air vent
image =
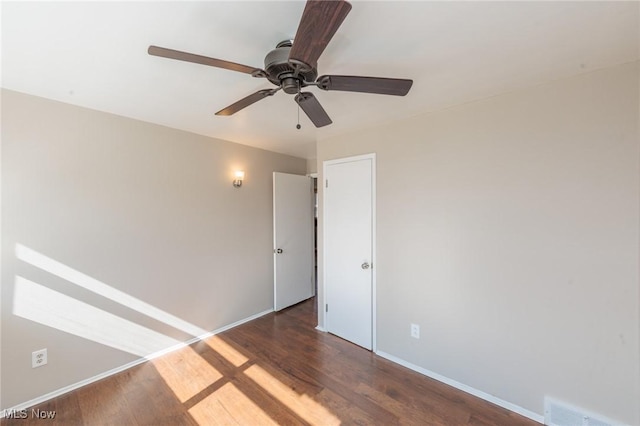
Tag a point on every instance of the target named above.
point(560, 414)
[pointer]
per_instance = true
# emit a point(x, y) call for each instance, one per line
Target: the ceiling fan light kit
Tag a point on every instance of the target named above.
point(292, 65)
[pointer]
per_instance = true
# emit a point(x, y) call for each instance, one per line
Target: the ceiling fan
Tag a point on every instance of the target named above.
point(292, 65)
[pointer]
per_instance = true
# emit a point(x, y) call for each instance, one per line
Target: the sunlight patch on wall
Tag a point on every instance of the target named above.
point(48, 307)
point(65, 272)
point(228, 405)
point(302, 405)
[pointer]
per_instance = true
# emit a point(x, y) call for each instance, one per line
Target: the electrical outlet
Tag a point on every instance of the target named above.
point(38, 358)
point(415, 331)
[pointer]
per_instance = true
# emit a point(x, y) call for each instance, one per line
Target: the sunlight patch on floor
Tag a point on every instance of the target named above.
point(186, 372)
point(302, 405)
point(226, 350)
point(228, 405)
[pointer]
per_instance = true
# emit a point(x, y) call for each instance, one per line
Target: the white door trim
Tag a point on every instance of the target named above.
point(374, 262)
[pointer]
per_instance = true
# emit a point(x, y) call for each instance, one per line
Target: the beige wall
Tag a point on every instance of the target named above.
point(141, 211)
point(312, 165)
point(508, 230)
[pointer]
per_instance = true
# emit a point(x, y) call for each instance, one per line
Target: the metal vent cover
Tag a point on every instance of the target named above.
point(558, 413)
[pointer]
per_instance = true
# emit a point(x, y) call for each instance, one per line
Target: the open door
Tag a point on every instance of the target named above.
point(292, 239)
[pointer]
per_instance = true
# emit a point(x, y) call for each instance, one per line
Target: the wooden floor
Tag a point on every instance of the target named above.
point(274, 370)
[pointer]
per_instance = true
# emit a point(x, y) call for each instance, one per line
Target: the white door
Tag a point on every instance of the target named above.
point(292, 239)
point(348, 248)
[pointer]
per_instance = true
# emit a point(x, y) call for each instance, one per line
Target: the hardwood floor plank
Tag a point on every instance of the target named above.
point(408, 414)
point(229, 405)
point(268, 403)
point(348, 413)
point(276, 369)
point(104, 403)
point(67, 410)
point(151, 401)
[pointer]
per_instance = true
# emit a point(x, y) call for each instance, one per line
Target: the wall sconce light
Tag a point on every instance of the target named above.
point(239, 178)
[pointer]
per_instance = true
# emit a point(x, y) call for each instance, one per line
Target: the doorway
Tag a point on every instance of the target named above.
point(293, 241)
point(314, 179)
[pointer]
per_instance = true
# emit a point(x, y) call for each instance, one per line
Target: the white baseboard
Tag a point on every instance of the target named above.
point(468, 389)
point(116, 370)
point(321, 329)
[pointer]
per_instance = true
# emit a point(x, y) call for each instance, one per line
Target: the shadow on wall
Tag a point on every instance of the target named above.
point(204, 385)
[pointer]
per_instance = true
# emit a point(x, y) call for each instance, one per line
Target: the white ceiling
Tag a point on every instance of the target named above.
point(93, 54)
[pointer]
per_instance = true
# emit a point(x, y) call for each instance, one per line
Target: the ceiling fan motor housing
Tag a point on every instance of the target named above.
point(281, 73)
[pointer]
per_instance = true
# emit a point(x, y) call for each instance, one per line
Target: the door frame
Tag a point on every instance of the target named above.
point(315, 208)
point(374, 263)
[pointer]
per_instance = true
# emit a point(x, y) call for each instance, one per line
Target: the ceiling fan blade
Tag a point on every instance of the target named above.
point(320, 21)
point(245, 102)
point(313, 109)
point(204, 60)
point(379, 85)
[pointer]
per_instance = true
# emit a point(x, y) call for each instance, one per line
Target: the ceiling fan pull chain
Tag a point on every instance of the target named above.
point(298, 126)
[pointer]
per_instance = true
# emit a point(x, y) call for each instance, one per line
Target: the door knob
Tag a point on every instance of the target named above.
point(279, 251)
point(365, 265)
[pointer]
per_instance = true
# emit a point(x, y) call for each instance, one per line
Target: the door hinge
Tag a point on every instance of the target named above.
point(326, 307)
point(326, 183)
